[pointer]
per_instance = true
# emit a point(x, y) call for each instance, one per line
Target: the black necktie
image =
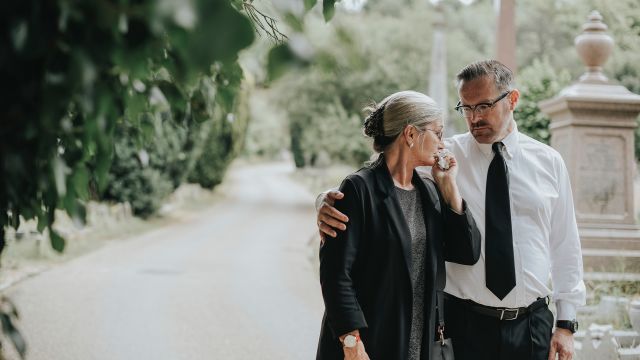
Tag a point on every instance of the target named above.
point(501, 276)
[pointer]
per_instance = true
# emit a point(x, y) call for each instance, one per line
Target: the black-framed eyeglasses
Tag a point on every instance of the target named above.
point(480, 109)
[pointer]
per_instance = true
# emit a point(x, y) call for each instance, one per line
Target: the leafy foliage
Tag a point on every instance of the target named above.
point(366, 55)
point(82, 69)
point(137, 84)
point(8, 317)
point(563, 20)
point(352, 67)
point(225, 139)
point(536, 83)
point(131, 179)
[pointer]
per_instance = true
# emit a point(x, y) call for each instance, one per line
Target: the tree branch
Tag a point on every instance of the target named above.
point(263, 23)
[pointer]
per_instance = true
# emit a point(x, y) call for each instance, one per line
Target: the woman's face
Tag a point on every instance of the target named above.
point(428, 142)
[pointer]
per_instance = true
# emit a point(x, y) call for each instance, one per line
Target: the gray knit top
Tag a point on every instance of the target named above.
point(412, 209)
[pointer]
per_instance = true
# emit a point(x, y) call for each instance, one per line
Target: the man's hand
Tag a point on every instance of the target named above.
point(328, 217)
point(561, 344)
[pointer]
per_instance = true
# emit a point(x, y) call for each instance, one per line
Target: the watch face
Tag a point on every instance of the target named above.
point(350, 341)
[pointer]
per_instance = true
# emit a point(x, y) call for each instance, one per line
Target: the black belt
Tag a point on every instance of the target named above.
point(500, 313)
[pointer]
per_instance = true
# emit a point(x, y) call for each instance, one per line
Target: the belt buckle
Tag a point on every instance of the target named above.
point(509, 319)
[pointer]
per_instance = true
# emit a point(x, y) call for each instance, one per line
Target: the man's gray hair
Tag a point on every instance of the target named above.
point(502, 75)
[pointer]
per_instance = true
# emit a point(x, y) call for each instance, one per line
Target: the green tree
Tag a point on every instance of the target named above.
point(224, 138)
point(355, 63)
point(537, 82)
point(81, 68)
point(80, 72)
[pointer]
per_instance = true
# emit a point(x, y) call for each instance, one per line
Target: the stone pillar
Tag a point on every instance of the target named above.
point(506, 34)
point(438, 85)
point(592, 126)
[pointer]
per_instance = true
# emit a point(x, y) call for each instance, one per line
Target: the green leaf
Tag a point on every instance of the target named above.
point(43, 221)
point(9, 330)
point(69, 203)
point(328, 9)
point(80, 216)
point(309, 4)
point(27, 212)
point(175, 97)
point(136, 103)
point(103, 162)
point(220, 33)
point(294, 22)
point(237, 4)
point(4, 220)
point(280, 58)
point(80, 182)
point(228, 84)
point(57, 241)
point(199, 108)
point(147, 128)
point(15, 218)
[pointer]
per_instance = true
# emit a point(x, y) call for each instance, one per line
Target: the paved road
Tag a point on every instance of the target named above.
point(233, 282)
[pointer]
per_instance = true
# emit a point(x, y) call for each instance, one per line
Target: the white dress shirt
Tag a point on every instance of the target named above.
point(545, 234)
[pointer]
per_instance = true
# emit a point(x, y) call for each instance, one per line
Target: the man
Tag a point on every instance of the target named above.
point(519, 193)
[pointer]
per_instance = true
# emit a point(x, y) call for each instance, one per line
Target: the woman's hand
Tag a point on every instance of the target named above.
point(445, 175)
point(446, 181)
point(357, 352)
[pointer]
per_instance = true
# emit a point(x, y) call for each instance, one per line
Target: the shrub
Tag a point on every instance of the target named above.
point(224, 141)
point(538, 82)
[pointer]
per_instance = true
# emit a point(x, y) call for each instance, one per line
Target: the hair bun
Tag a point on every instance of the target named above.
point(374, 123)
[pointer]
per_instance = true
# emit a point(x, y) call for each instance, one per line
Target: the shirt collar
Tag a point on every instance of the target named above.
point(510, 145)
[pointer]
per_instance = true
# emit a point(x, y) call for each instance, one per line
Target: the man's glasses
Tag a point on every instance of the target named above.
point(480, 109)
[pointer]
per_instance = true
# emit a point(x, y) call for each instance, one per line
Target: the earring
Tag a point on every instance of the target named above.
point(410, 145)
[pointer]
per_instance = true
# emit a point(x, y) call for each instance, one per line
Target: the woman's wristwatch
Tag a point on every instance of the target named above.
point(570, 325)
point(350, 341)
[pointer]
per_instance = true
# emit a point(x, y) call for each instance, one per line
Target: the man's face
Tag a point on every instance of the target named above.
point(496, 123)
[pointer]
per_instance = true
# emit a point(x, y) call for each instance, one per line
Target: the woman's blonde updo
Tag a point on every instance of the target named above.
point(387, 119)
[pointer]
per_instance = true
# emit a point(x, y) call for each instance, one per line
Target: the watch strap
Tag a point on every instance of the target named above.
point(570, 325)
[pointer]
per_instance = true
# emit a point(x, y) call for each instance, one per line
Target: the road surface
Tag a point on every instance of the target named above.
point(234, 281)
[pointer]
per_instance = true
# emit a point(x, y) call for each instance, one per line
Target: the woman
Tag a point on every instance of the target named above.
point(379, 276)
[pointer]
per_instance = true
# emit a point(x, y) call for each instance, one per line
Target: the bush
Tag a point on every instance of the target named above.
point(169, 143)
point(131, 178)
point(267, 133)
point(352, 67)
point(224, 141)
point(538, 82)
point(78, 71)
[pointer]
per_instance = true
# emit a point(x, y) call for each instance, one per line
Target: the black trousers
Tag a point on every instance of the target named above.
point(479, 337)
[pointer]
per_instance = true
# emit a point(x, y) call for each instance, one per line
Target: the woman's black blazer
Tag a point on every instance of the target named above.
point(365, 271)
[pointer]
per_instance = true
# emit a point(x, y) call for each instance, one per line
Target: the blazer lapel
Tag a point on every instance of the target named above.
point(397, 222)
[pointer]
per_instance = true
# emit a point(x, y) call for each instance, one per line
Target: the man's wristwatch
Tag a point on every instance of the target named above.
point(350, 341)
point(570, 325)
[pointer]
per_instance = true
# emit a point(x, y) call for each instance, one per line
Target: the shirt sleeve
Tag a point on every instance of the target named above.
point(565, 252)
